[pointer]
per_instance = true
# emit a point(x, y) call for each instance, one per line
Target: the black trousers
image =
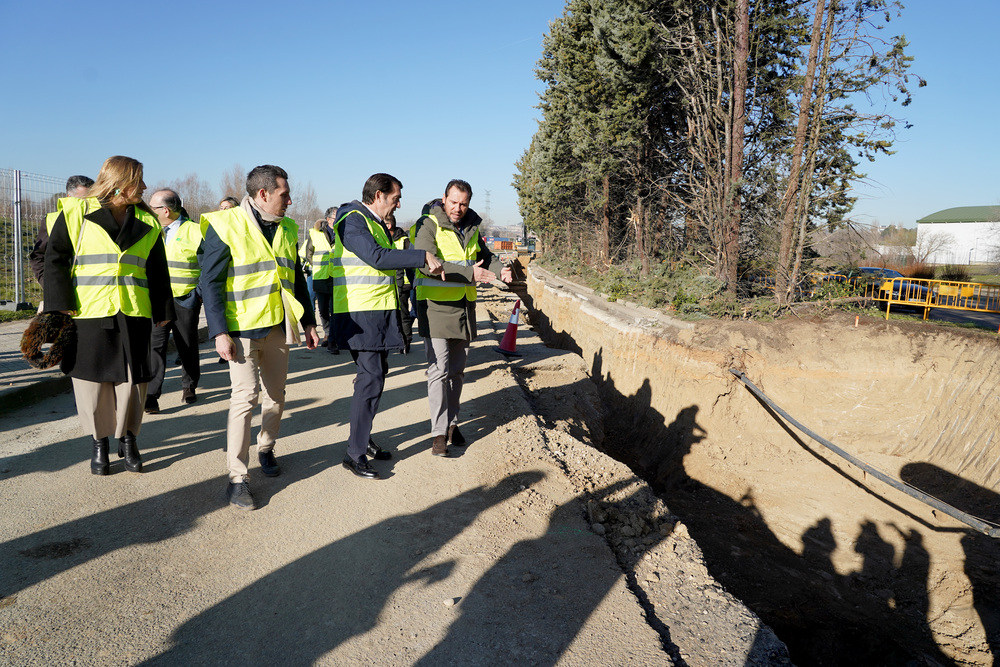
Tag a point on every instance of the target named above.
point(325, 302)
point(368, 386)
point(405, 318)
point(185, 330)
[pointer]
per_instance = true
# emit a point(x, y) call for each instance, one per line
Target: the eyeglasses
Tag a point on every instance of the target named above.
point(156, 207)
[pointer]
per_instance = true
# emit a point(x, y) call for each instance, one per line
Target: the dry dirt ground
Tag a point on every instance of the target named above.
point(846, 570)
point(529, 547)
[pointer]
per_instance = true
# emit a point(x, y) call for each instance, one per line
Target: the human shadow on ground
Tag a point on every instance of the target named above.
point(316, 603)
point(27, 560)
point(530, 606)
point(875, 616)
point(982, 553)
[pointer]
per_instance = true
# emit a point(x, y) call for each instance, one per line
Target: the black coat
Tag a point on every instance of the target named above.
point(107, 347)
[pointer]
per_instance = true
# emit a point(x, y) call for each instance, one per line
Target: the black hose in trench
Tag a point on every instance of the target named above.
point(980, 525)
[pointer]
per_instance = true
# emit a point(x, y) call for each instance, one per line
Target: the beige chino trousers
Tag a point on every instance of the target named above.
point(260, 364)
point(107, 408)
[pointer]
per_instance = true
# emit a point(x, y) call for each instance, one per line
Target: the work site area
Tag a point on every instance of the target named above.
point(625, 499)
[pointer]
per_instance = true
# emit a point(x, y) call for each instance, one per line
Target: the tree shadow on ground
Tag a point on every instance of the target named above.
point(875, 616)
point(33, 558)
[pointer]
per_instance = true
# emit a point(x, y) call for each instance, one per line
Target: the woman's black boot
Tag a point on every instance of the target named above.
point(99, 464)
point(128, 450)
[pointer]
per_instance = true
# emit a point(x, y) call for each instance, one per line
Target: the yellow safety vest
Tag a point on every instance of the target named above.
point(400, 244)
point(259, 274)
point(449, 249)
point(107, 279)
point(321, 254)
point(357, 286)
point(50, 219)
point(182, 257)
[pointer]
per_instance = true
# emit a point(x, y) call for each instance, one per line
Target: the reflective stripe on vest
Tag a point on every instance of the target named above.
point(182, 257)
point(259, 274)
point(449, 249)
point(321, 254)
point(107, 279)
point(357, 286)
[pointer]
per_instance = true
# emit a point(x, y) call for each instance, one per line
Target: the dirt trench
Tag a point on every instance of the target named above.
point(845, 569)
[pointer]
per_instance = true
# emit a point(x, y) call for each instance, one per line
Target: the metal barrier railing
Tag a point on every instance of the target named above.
point(926, 294)
point(910, 292)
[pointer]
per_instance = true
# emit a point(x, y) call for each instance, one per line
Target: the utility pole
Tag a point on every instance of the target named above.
point(486, 212)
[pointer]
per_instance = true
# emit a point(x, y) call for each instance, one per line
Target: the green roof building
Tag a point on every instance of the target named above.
point(960, 235)
point(964, 214)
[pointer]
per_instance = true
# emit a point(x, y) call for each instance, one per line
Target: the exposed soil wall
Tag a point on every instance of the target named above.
point(825, 556)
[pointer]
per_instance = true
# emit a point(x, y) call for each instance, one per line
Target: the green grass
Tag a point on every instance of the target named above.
point(13, 315)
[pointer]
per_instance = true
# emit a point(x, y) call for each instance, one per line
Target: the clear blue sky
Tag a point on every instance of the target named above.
point(331, 91)
point(951, 155)
point(427, 91)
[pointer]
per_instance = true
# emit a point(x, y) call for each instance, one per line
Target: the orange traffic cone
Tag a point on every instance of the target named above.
point(509, 341)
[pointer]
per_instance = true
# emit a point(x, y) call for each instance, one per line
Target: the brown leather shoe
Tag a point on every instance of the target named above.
point(439, 446)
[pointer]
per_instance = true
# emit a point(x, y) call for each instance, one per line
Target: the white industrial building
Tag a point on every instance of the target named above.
point(961, 235)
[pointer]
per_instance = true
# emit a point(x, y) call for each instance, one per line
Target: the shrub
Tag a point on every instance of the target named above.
point(918, 270)
point(956, 272)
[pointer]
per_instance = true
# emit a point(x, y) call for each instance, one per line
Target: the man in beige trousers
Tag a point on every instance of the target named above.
point(255, 297)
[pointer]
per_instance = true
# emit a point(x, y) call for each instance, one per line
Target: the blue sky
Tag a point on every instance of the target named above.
point(427, 91)
point(950, 156)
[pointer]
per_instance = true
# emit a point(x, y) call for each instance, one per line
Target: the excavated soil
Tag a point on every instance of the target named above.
point(845, 569)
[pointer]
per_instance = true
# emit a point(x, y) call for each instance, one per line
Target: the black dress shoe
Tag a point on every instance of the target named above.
point(239, 495)
point(99, 463)
point(268, 464)
point(128, 450)
point(360, 467)
point(152, 406)
point(455, 436)
point(376, 452)
point(188, 396)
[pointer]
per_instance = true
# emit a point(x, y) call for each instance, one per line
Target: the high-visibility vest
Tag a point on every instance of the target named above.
point(449, 249)
point(259, 273)
point(400, 244)
point(107, 279)
point(50, 219)
point(321, 254)
point(182, 257)
point(356, 285)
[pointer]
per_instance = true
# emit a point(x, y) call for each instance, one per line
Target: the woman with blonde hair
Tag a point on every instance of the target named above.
point(227, 203)
point(105, 265)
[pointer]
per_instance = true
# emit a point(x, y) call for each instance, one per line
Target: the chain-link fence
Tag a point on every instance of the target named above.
point(25, 199)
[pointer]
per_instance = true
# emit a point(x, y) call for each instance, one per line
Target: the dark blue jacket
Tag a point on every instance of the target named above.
point(375, 330)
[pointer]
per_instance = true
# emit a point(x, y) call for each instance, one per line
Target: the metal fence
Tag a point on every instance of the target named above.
point(25, 199)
